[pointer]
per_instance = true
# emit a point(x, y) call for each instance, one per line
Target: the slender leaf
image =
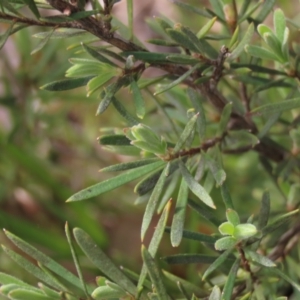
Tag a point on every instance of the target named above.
point(155, 274)
point(130, 18)
point(101, 261)
point(195, 259)
point(129, 165)
point(138, 99)
point(204, 30)
point(264, 213)
point(196, 236)
point(261, 260)
point(42, 43)
point(177, 81)
point(61, 33)
point(155, 241)
point(265, 10)
point(217, 263)
point(204, 211)
point(189, 128)
point(245, 40)
point(226, 197)
point(75, 259)
point(112, 183)
point(115, 139)
point(225, 117)
point(66, 84)
point(152, 203)
point(217, 6)
point(260, 52)
point(195, 187)
point(286, 278)
point(228, 287)
point(191, 8)
point(153, 57)
point(22, 294)
point(131, 120)
point(272, 108)
point(197, 103)
point(4, 36)
point(280, 24)
point(179, 214)
point(44, 260)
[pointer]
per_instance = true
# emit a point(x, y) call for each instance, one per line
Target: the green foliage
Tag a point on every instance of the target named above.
point(220, 126)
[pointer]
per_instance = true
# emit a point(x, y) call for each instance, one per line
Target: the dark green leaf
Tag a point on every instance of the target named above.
point(101, 261)
point(151, 57)
point(95, 54)
point(272, 108)
point(131, 120)
point(155, 274)
point(204, 211)
point(155, 241)
point(240, 47)
point(112, 183)
point(226, 197)
point(191, 8)
point(196, 236)
point(138, 99)
point(265, 10)
point(116, 139)
point(66, 84)
point(194, 259)
point(195, 187)
point(179, 214)
point(264, 213)
point(129, 165)
point(153, 201)
point(217, 262)
point(177, 81)
point(228, 287)
point(217, 6)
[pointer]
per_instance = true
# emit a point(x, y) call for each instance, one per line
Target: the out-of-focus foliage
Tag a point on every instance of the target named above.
point(205, 124)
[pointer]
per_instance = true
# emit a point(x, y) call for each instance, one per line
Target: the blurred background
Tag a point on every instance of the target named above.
point(49, 150)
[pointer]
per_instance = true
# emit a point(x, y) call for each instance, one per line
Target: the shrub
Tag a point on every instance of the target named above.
point(227, 94)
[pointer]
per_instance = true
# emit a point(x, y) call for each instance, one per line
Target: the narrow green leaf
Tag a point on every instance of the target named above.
point(109, 93)
point(44, 260)
point(97, 82)
point(7, 4)
point(240, 47)
point(260, 52)
point(196, 236)
point(155, 241)
point(286, 278)
point(66, 84)
point(195, 187)
point(151, 57)
point(61, 33)
point(204, 211)
point(188, 130)
point(112, 183)
point(234, 38)
point(115, 139)
point(152, 203)
point(129, 165)
point(257, 68)
point(161, 42)
point(177, 81)
point(42, 43)
point(215, 293)
point(138, 99)
point(204, 30)
point(8, 279)
point(232, 217)
point(21, 294)
point(264, 213)
point(260, 259)
point(31, 268)
point(265, 10)
point(272, 108)
point(225, 117)
point(217, 6)
point(197, 103)
point(32, 6)
point(192, 8)
point(101, 261)
point(228, 287)
point(217, 262)
point(131, 120)
point(95, 54)
point(182, 39)
point(155, 274)
point(280, 24)
point(240, 139)
point(279, 221)
point(216, 170)
point(75, 259)
point(179, 214)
